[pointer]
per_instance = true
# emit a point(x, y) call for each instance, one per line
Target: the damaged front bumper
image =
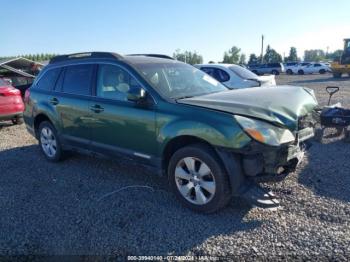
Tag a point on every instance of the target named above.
point(264, 163)
point(269, 164)
point(258, 162)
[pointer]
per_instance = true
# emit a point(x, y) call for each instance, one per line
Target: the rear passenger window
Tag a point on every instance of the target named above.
point(48, 80)
point(77, 79)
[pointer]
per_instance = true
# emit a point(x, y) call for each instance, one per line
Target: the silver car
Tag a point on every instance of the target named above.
point(270, 68)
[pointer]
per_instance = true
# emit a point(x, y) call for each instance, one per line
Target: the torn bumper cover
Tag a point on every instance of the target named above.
point(264, 163)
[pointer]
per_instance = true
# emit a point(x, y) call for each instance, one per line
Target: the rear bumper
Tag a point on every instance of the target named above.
point(12, 108)
point(10, 116)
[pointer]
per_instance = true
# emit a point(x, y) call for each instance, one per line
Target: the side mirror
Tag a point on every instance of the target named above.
point(137, 97)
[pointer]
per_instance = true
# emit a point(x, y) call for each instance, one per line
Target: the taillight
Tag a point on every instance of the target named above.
point(9, 92)
point(27, 95)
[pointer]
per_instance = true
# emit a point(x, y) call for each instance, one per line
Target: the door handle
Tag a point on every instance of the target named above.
point(96, 108)
point(54, 101)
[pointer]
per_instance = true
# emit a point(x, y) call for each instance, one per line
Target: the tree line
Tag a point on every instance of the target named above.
point(235, 56)
point(33, 57)
point(232, 56)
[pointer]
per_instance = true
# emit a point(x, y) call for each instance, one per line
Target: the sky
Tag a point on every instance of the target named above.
point(161, 26)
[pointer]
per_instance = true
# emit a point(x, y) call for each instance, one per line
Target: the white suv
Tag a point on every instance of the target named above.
point(235, 76)
point(311, 69)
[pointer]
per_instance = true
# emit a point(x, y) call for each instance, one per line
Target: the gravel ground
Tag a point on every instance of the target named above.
point(65, 208)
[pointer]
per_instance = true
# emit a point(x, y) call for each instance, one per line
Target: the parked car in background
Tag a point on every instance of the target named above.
point(235, 76)
point(11, 103)
point(289, 67)
point(292, 68)
point(22, 83)
point(212, 143)
point(271, 68)
point(311, 68)
point(304, 64)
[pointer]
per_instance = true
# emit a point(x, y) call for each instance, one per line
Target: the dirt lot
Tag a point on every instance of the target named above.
point(63, 208)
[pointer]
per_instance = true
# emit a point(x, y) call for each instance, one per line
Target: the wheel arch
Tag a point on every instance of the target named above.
point(38, 119)
point(179, 142)
point(230, 162)
point(215, 132)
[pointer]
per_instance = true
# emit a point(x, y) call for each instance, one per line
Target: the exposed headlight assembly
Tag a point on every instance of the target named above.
point(264, 132)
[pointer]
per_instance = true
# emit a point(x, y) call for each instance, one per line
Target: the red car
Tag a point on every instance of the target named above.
point(11, 103)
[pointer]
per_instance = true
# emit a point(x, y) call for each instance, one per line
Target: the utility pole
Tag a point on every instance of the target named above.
point(262, 48)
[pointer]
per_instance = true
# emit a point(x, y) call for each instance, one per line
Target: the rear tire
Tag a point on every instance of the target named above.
point(198, 179)
point(322, 71)
point(18, 120)
point(289, 72)
point(49, 142)
point(301, 72)
point(275, 72)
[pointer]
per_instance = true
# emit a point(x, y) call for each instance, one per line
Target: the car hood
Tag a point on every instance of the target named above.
point(282, 105)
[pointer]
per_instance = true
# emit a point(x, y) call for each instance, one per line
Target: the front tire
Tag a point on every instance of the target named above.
point(198, 179)
point(49, 142)
point(347, 136)
point(275, 72)
point(319, 135)
point(289, 72)
point(300, 72)
point(322, 71)
point(337, 75)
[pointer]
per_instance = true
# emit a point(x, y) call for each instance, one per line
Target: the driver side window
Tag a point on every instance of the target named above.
point(114, 82)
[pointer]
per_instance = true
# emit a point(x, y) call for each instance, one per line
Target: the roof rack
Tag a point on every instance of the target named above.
point(85, 55)
point(153, 55)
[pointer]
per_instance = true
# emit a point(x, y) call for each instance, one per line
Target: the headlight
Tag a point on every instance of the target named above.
point(265, 132)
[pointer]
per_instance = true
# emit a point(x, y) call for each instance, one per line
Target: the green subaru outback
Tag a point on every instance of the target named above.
point(212, 143)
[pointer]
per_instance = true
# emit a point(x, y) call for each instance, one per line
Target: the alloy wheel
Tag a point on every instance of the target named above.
point(48, 142)
point(195, 181)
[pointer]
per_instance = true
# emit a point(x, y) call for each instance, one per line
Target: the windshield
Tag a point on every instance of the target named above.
point(179, 80)
point(242, 72)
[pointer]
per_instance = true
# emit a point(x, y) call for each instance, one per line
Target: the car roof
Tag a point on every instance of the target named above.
point(135, 59)
point(153, 55)
point(71, 59)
